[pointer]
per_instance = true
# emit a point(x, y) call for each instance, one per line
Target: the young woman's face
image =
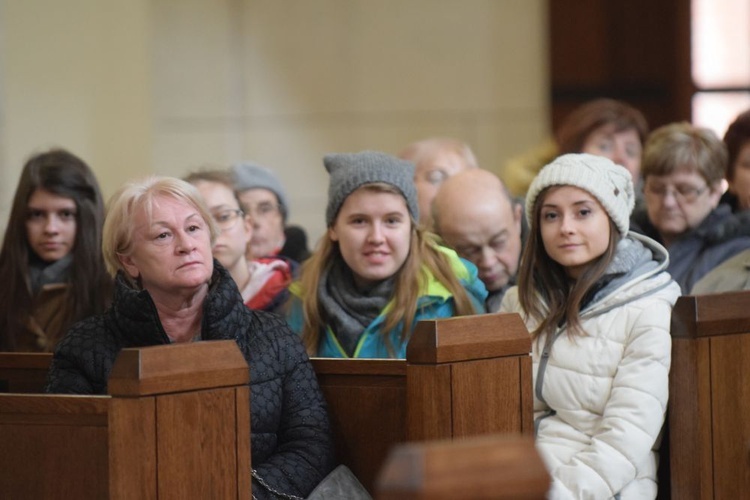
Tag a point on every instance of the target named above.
point(50, 225)
point(236, 229)
point(373, 230)
point(574, 228)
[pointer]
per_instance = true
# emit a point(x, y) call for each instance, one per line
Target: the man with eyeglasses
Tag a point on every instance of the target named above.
point(264, 199)
point(683, 179)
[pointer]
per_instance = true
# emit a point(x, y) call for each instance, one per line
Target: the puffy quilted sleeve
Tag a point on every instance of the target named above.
point(82, 360)
point(303, 452)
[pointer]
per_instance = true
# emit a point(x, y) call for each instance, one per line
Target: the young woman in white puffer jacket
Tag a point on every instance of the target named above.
point(597, 301)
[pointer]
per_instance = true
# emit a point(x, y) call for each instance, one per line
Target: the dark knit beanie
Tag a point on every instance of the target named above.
point(350, 171)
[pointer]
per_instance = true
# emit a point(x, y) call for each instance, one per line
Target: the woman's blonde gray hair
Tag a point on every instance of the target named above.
point(140, 195)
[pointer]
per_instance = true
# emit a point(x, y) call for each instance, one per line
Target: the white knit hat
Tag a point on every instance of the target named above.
point(608, 182)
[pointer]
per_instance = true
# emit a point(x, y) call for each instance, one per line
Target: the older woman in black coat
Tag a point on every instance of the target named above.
point(157, 241)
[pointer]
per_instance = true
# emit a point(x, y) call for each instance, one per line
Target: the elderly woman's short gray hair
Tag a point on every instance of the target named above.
point(117, 237)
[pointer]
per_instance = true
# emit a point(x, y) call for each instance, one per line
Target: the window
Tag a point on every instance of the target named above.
point(720, 61)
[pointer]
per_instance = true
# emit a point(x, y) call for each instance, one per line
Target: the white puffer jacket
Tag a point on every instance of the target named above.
point(600, 399)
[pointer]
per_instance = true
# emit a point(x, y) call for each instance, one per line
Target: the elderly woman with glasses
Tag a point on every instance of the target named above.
point(157, 241)
point(683, 180)
point(263, 281)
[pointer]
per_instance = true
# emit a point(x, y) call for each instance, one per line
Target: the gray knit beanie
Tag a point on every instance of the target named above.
point(608, 182)
point(248, 175)
point(350, 171)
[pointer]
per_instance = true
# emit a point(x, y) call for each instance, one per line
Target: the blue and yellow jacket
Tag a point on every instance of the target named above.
point(435, 301)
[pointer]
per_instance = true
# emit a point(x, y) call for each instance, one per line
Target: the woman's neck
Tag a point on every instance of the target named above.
point(240, 273)
point(181, 316)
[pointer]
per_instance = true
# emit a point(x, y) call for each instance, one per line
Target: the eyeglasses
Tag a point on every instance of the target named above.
point(265, 209)
point(681, 193)
point(227, 219)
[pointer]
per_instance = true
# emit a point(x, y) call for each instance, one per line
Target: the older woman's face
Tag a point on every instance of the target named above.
point(171, 250)
point(622, 147)
point(679, 202)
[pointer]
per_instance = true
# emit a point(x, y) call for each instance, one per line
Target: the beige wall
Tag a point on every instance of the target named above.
point(171, 85)
point(76, 74)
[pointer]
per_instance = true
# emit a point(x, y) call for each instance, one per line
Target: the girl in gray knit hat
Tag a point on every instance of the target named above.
point(376, 273)
point(597, 301)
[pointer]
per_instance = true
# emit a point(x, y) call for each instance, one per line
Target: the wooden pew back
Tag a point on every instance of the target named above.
point(709, 402)
point(176, 425)
point(462, 377)
point(23, 372)
point(486, 467)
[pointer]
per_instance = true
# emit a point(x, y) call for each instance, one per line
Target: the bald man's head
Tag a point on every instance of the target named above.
point(436, 159)
point(475, 215)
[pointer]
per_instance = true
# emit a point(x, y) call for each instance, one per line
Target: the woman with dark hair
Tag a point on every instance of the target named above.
point(597, 300)
point(737, 140)
point(51, 263)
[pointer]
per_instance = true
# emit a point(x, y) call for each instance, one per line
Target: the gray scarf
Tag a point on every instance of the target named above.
point(42, 273)
point(349, 309)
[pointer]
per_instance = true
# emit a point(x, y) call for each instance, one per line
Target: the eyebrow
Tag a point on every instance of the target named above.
point(575, 203)
point(166, 224)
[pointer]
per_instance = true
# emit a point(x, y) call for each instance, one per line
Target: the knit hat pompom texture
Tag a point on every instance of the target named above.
point(608, 182)
point(350, 171)
point(252, 176)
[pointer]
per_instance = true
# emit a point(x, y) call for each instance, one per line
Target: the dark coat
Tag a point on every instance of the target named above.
point(292, 448)
point(718, 237)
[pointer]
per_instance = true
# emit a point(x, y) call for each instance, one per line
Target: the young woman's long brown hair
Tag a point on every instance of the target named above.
point(424, 256)
point(63, 174)
point(545, 291)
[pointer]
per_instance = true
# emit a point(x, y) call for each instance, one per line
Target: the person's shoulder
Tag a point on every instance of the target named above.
point(731, 275)
point(464, 269)
point(510, 302)
point(271, 327)
point(91, 327)
point(271, 344)
point(89, 339)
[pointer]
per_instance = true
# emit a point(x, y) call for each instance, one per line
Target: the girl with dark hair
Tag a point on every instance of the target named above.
point(597, 301)
point(51, 263)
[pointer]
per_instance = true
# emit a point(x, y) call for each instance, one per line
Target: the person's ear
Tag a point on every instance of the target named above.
point(518, 216)
point(332, 234)
point(715, 192)
point(247, 220)
point(129, 265)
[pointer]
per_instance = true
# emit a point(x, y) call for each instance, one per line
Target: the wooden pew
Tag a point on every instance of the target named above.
point(176, 425)
point(23, 372)
point(709, 400)
point(462, 377)
point(487, 467)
